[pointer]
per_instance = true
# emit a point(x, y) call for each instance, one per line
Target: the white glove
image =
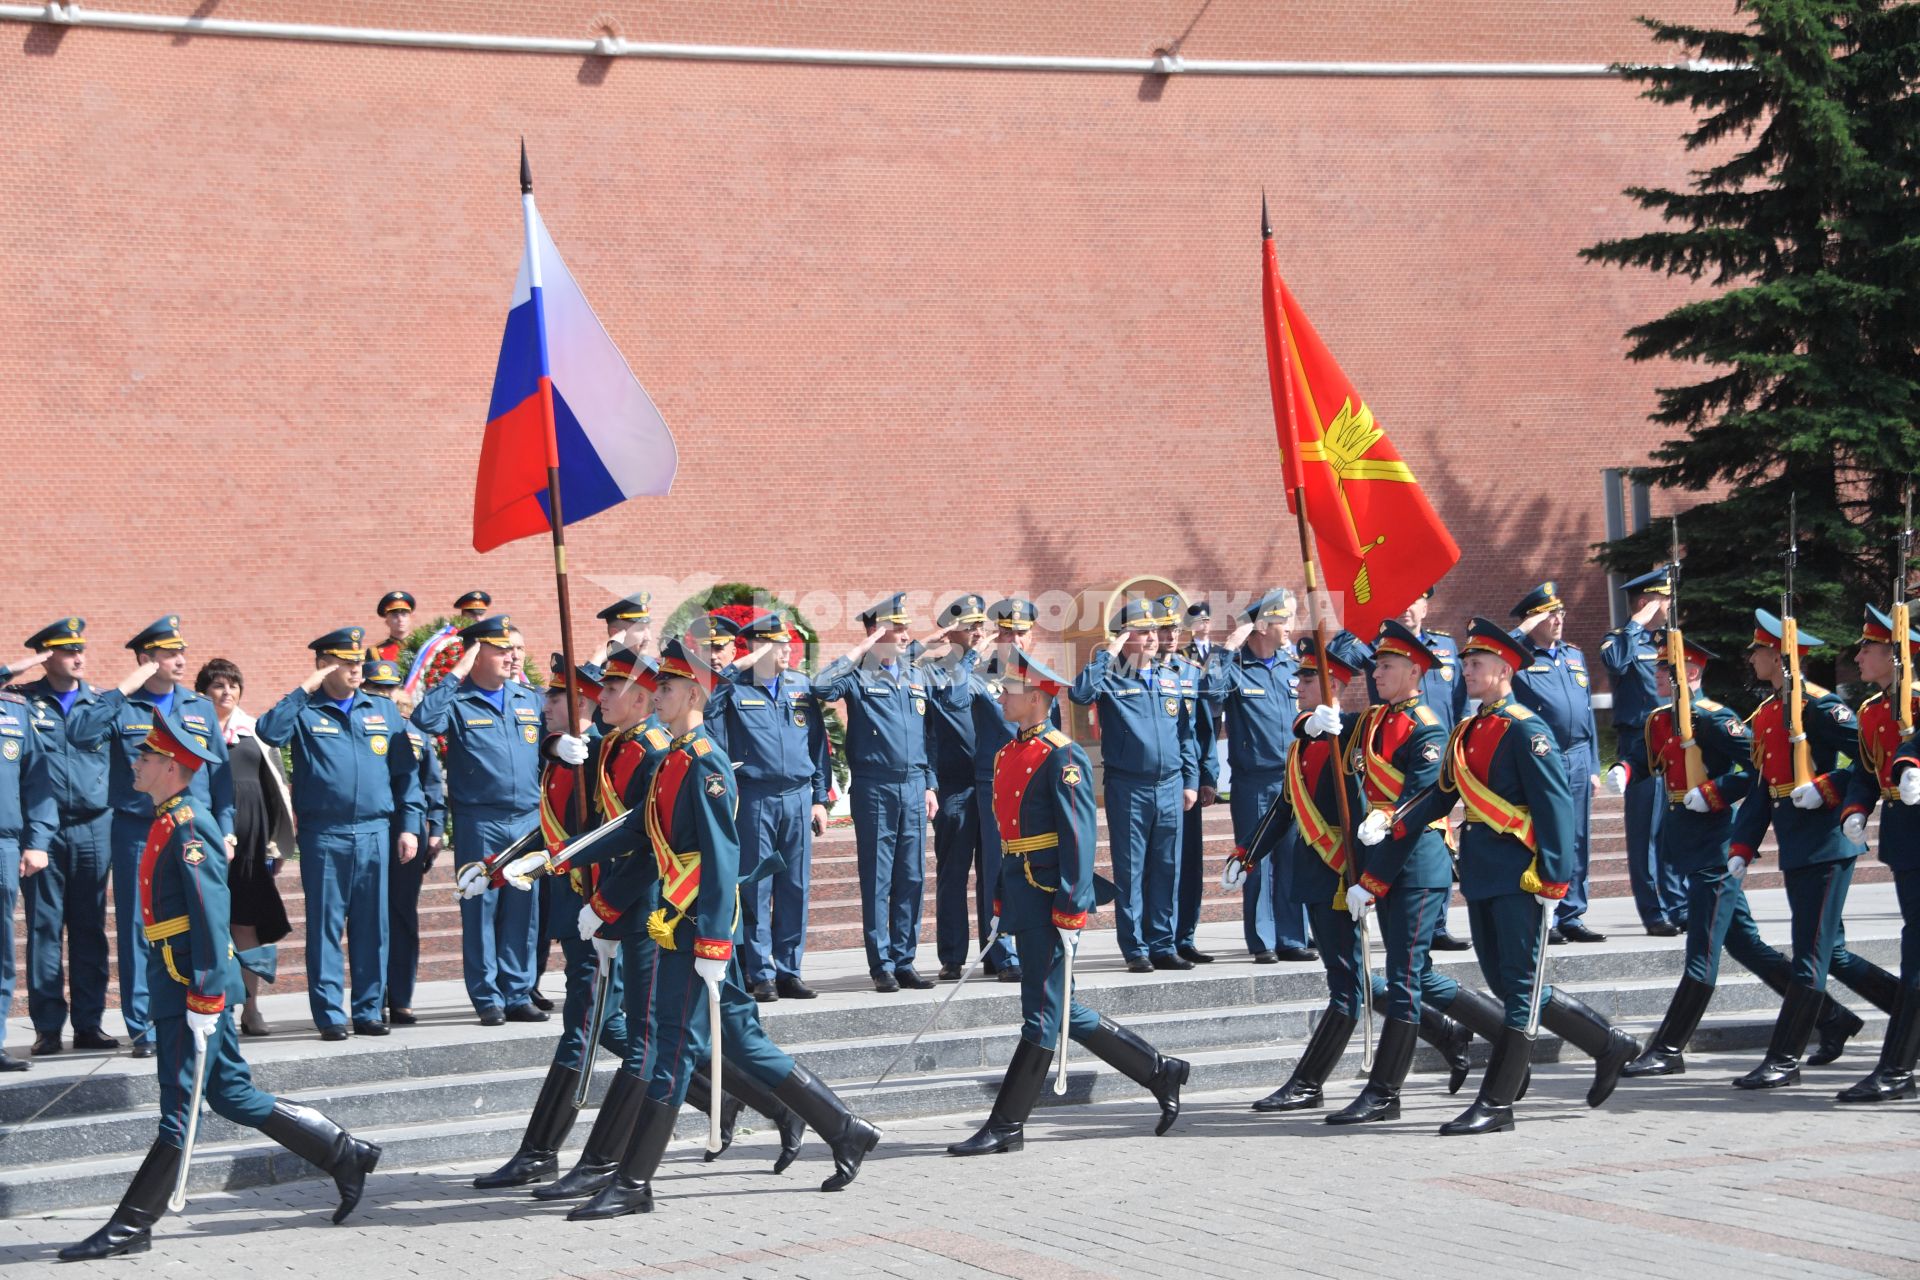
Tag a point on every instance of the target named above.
point(1069, 938)
point(203, 1025)
point(1697, 801)
point(1545, 901)
point(1617, 780)
point(1374, 827)
point(1736, 868)
point(1323, 722)
point(1359, 902)
point(589, 924)
point(606, 948)
point(568, 749)
point(471, 880)
point(1910, 785)
point(1233, 873)
point(711, 972)
point(519, 872)
point(1807, 796)
point(1855, 827)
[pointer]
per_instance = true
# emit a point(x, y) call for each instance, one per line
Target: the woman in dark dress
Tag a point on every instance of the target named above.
point(262, 829)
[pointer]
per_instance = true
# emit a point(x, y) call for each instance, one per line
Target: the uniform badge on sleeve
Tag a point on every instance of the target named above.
point(1540, 744)
point(1430, 752)
point(194, 853)
point(1070, 775)
point(1843, 713)
point(716, 786)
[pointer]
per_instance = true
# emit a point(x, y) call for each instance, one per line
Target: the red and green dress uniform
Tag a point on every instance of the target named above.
point(608, 768)
point(1878, 762)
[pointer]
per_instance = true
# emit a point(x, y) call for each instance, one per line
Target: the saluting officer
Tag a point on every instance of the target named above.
point(1181, 665)
point(29, 816)
point(1629, 655)
point(1555, 686)
point(1043, 801)
point(892, 789)
point(492, 730)
point(1516, 858)
point(950, 750)
point(354, 773)
point(1255, 682)
point(396, 611)
point(120, 720)
point(183, 911)
point(382, 679)
point(70, 894)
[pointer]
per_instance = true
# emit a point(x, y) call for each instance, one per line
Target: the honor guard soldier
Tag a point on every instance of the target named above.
point(1555, 686)
point(29, 817)
point(1516, 858)
point(1873, 779)
point(688, 813)
point(1693, 838)
point(1255, 683)
point(396, 611)
point(491, 726)
point(119, 721)
point(1152, 777)
point(778, 743)
point(1183, 665)
point(956, 824)
point(183, 911)
point(1816, 855)
point(1629, 655)
point(70, 894)
point(355, 780)
point(382, 679)
point(1043, 801)
point(892, 789)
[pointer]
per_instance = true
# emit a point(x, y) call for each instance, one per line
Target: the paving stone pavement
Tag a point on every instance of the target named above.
point(1684, 1178)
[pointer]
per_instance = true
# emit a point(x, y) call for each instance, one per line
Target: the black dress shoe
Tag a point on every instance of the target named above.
point(1577, 931)
point(48, 1043)
point(1195, 954)
point(540, 1002)
point(1008, 973)
point(143, 1048)
point(1296, 955)
point(1265, 957)
point(10, 1063)
point(1663, 929)
point(370, 1028)
point(1139, 964)
point(910, 978)
point(793, 988)
point(1447, 942)
point(885, 983)
point(1555, 938)
point(333, 1033)
point(94, 1039)
point(526, 1013)
point(402, 1018)
point(491, 1017)
point(951, 973)
point(763, 992)
point(1170, 962)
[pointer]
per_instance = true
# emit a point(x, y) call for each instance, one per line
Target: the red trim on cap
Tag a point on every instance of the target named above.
point(160, 739)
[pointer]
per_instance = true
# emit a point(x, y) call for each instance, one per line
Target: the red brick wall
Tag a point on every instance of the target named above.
point(934, 329)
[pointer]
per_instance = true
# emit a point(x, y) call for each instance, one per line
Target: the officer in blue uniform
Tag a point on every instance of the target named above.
point(1043, 802)
point(950, 748)
point(628, 619)
point(119, 722)
point(892, 789)
point(1178, 664)
point(778, 744)
point(1629, 656)
point(492, 730)
point(1152, 777)
point(1255, 682)
point(70, 894)
point(383, 679)
point(355, 784)
point(182, 909)
point(29, 817)
point(1556, 686)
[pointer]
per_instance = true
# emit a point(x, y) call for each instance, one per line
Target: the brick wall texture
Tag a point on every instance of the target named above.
point(928, 329)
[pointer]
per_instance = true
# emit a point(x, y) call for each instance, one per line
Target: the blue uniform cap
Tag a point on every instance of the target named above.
point(1171, 608)
point(161, 633)
point(967, 609)
point(473, 600)
point(1021, 667)
point(631, 608)
point(1544, 598)
point(171, 739)
point(1013, 614)
point(1199, 609)
point(1658, 582)
point(394, 600)
point(496, 631)
point(1135, 615)
point(1484, 635)
point(1767, 634)
point(1396, 637)
point(1277, 603)
point(1347, 654)
point(715, 631)
point(68, 633)
point(381, 674)
point(345, 642)
point(887, 609)
point(768, 628)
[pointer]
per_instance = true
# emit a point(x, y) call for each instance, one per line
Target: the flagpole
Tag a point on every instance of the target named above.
point(578, 796)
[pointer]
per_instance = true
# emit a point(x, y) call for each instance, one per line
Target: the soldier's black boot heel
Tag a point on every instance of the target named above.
point(1666, 1053)
point(1893, 1077)
point(1143, 1064)
point(1302, 1091)
point(1005, 1129)
point(1781, 1066)
point(1392, 1059)
point(850, 1137)
point(631, 1190)
point(130, 1230)
point(539, 1155)
point(743, 1088)
point(1492, 1111)
point(611, 1133)
point(1610, 1048)
point(319, 1141)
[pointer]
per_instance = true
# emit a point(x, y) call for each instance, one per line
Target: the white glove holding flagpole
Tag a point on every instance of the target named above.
point(569, 749)
point(1617, 780)
point(1324, 722)
point(519, 872)
point(471, 880)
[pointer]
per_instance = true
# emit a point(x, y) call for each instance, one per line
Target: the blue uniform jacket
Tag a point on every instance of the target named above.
point(29, 816)
point(186, 911)
point(886, 719)
point(121, 724)
point(78, 775)
point(773, 733)
point(493, 756)
point(1807, 836)
point(1043, 795)
point(1442, 689)
point(1698, 841)
point(1143, 729)
point(432, 783)
point(350, 768)
point(1261, 702)
point(1556, 687)
point(950, 727)
point(1407, 739)
point(972, 692)
point(1190, 678)
point(1630, 657)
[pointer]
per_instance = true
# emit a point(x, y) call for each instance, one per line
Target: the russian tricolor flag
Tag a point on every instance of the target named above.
point(603, 433)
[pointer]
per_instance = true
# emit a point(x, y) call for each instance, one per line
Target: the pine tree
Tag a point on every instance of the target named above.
point(1805, 221)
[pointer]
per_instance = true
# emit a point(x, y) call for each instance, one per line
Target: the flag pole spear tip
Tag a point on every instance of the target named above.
point(526, 174)
point(1266, 223)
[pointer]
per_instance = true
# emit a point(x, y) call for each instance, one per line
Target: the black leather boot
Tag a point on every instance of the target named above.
point(700, 1098)
point(1392, 1058)
point(1484, 1016)
point(1451, 1038)
point(1005, 1129)
point(1781, 1066)
point(1665, 1054)
point(742, 1087)
point(1610, 1048)
point(1880, 989)
point(849, 1136)
point(1893, 1077)
point(1141, 1063)
point(130, 1230)
point(1492, 1111)
point(319, 1141)
point(1301, 1092)
point(539, 1155)
point(631, 1189)
point(611, 1134)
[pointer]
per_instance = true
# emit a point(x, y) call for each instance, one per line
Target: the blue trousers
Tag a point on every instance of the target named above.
point(1906, 887)
point(582, 970)
point(344, 874)
point(1143, 826)
point(890, 845)
point(1817, 896)
point(70, 896)
point(1005, 951)
point(1193, 878)
point(1579, 766)
point(680, 1026)
point(1659, 891)
point(1270, 916)
point(1404, 922)
point(1040, 988)
point(1339, 943)
point(773, 908)
point(9, 894)
point(960, 847)
point(403, 926)
point(1506, 940)
point(128, 835)
point(500, 930)
point(230, 1089)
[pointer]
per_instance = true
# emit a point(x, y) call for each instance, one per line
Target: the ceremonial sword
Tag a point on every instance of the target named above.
point(973, 966)
point(178, 1200)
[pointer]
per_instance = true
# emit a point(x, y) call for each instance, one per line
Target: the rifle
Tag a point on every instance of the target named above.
point(1677, 662)
point(1902, 632)
point(1790, 651)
